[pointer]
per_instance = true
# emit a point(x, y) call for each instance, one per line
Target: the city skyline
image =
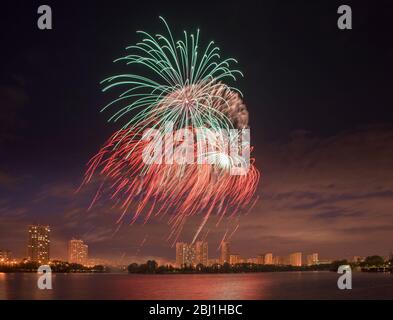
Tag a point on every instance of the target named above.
point(38, 250)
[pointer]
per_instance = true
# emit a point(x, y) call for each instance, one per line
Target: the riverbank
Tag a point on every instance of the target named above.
point(56, 267)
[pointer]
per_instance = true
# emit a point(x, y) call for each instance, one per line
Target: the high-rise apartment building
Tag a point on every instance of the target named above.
point(179, 254)
point(192, 254)
point(252, 260)
point(312, 259)
point(38, 243)
point(280, 261)
point(295, 259)
point(77, 252)
point(201, 253)
point(225, 252)
point(260, 259)
point(268, 258)
point(185, 254)
point(234, 259)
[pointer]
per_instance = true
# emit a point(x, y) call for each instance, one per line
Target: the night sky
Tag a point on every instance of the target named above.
point(321, 117)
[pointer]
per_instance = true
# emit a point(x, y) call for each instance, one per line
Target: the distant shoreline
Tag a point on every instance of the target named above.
point(196, 273)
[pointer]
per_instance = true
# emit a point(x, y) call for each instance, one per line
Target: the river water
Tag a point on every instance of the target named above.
point(255, 286)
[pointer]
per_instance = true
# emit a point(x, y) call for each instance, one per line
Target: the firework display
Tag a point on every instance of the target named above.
point(188, 118)
point(186, 85)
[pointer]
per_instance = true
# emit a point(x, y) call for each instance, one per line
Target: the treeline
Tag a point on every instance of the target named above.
point(151, 267)
point(370, 263)
point(56, 266)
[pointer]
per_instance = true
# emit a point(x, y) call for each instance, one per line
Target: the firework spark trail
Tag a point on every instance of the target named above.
point(141, 245)
point(185, 189)
point(188, 90)
point(117, 229)
point(223, 239)
point(204, 237)
point(233, 232)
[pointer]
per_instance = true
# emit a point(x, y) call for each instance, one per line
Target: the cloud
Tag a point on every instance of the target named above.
point(332, 195)
point(315, 191)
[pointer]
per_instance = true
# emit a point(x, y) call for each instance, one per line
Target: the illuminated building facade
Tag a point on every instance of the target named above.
point(234, 259)
point(225, 252)
point(295, 259)
point(5, 256)
point(268, 258)
point(201, 253)
point(77, 252)
point(38, 247)
point(185, 254)
point(312, 259)
point(260, 259)
point(192, 254)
